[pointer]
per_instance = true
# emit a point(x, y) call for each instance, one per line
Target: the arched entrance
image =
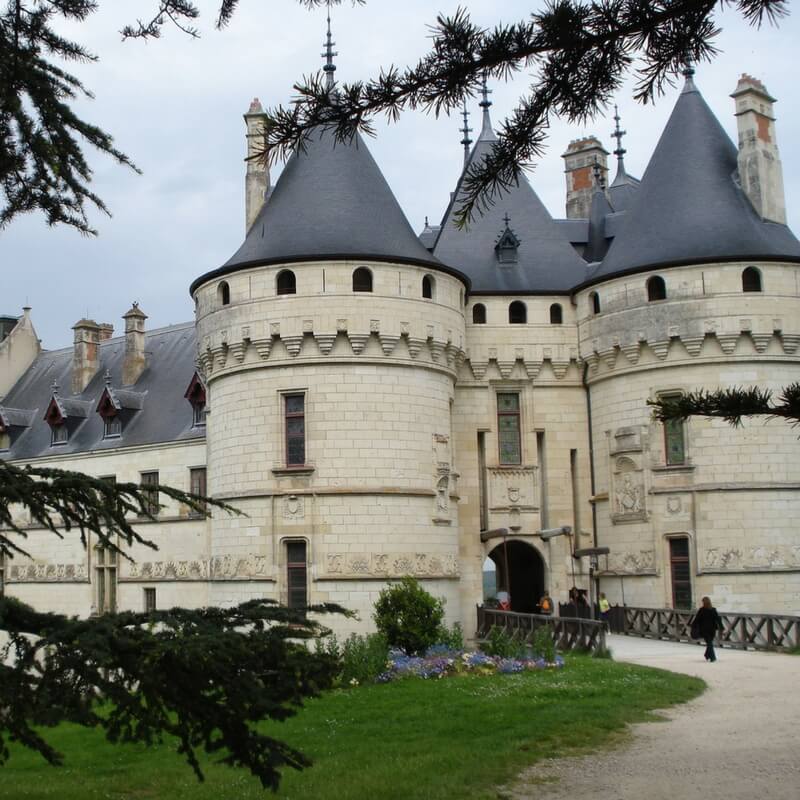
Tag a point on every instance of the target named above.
point(525, 581)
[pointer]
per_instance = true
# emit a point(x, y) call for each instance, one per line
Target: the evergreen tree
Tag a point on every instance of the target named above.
point(205, 676)
point(579, 52)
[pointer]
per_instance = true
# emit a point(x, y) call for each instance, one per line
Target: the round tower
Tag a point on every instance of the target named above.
point(329, 344)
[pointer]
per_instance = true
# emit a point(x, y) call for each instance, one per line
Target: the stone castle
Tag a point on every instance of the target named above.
point(381, 403)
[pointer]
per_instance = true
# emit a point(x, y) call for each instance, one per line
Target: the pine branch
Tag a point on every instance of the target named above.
point(731, 404)
point(62, 501)
point(206, 677)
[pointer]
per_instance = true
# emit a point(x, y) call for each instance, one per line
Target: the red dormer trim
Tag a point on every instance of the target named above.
point(53, 415)
point(196, 393)
point(105, 406)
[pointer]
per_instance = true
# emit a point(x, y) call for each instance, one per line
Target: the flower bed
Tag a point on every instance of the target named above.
point(441, 662)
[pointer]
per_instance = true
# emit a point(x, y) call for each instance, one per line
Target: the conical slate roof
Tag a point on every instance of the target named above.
point(689, 208)
point(330, 202)
point(547, 262)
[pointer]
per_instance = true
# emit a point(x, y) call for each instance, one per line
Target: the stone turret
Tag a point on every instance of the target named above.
point(579, 160)
point(85, 357)
point(760, 170)
point(257, 177)
point(134, 362)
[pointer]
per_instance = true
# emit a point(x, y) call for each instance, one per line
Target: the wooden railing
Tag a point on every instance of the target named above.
point(569, 633)
point(753, 631)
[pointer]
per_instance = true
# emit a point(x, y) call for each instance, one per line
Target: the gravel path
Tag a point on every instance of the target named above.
point(738, 740)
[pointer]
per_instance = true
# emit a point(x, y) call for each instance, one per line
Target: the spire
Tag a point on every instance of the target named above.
point(329, 54)
point(466, 130)
point(487, 132)
point(688, 73)
point(617, 134)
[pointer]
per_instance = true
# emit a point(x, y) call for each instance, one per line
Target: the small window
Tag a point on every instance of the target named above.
point(680, 572)
point(149, 599)
point(224, 293)
point(751, 280)
point(59, 434)
point(656, 289)
point(479, 314)
point(594, 303)
point(286, 282)
point(517, 313)
point(149, 483)
point(427, 287)
point(674, 440)
point(296, 575)
point(362, 280)
point(197, 485)
point(295, 424)
point(112, 427)
point(556, 314)
point(508, 428)
point(105, 571)
point(5, 441)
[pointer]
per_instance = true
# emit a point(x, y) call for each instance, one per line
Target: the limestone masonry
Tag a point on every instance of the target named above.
point(381, 403)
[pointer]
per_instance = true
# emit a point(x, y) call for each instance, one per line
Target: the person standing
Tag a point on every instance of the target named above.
point(546, 604)
point(604, 606)
point(705, 625)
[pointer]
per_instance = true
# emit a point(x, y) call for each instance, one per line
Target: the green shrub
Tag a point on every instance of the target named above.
point(328, 646)
point(409, 617)
point(543, 644)
point(502, 644)
point(451, 637)
point(363, 658)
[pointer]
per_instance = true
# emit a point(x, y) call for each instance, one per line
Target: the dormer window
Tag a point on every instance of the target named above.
point(112, 427)
point(196, 395)
point(13, 423)
point(58, 433)
point(64, 416)
point(507, 245)
point(117, 407)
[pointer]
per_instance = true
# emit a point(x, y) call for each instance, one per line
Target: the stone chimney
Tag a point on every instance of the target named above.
point(106, 331)
point(760, 170)
point(256, 183)
point(579, 161)
point(85, 353)
point(134, 363)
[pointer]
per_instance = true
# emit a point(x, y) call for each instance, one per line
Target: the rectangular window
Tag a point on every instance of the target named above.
point(198, 414)
point(296, 575)
point(105, 571)
point(149, 480)
point(112, 427)
point(59, 434)
point(149, 599)
point(295, 423)
point(680, 571)
point(674, 440)
point(197, 485)
point(508, 428)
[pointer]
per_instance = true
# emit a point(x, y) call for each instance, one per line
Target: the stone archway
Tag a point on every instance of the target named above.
point(526, 580)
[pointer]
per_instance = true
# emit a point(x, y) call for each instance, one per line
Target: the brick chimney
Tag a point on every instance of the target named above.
point(106, 331)
point(85, 357)
point(134, 363)
point(760, 170)
point(579, 161)
point(256, 183)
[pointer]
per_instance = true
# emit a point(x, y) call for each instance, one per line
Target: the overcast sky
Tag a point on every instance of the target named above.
point(175, 106)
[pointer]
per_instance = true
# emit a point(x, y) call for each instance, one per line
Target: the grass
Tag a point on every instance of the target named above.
point(454, 738)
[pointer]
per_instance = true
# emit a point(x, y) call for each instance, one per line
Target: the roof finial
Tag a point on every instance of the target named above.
point(617, 134)
point(466, 130)
point(688, 73)
point(329, 54)
point(55, 387)
point(487, 132)
point(507, 220)
point(107, 378)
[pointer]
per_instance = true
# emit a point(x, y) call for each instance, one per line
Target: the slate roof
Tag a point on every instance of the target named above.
point(331, 201)
point(165, 414)
point(689, 208)
point(547, 262)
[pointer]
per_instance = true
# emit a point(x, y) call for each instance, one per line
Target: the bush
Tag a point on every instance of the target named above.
point(504, 645)
point(363, 658)
point(409, 617)
point(451, 638)
point(543, 644)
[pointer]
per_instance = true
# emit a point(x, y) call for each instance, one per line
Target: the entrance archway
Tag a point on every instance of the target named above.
point(525, 581)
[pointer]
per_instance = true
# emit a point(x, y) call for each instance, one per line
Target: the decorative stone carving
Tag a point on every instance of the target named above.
point(632, 563)
point(627, 439)
point(352, 566)
point(251, 567)
point(47, 573)
point(674, 505)
point(629, 492)
point(759, 557)
point(293, 507)
point(512, 487)
point(443, 495)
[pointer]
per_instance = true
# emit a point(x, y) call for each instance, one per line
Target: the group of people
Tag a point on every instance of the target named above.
point(578, 598)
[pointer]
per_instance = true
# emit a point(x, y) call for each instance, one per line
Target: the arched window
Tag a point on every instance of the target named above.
point(224, 293)
point(362, 280)
point(656, 289)
point(556, 314)
point(427, 287)
point(751, 280)
point(286, 282)
point(479, 314)
point(594, 303)
point(517, 313)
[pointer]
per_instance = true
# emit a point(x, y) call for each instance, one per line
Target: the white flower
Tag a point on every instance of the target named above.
point(354, 681)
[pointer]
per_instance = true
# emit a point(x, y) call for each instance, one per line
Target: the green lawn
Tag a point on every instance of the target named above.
point(452, 738)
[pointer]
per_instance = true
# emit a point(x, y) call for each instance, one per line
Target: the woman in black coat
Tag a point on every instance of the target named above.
point(705, 625)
